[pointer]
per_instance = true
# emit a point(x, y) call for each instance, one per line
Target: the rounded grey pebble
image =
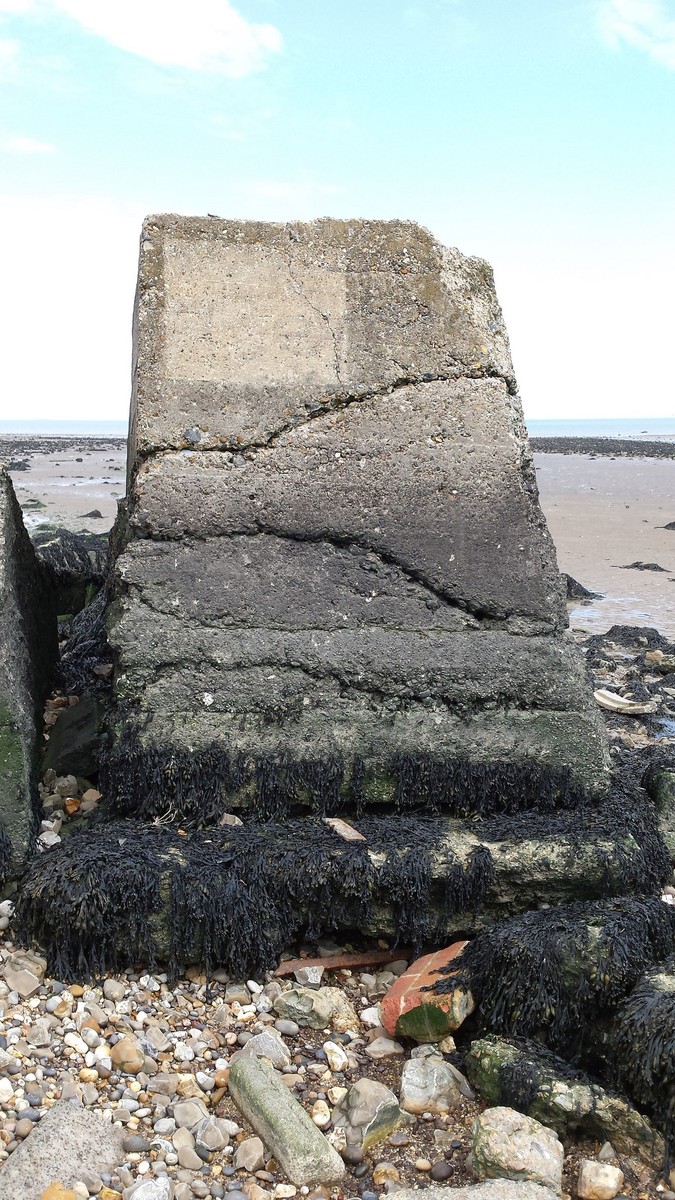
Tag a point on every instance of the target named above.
point(235, 1194)
point(135, 1144)
point(361, 1170)
point(441, 1170)
point(287, 1028)
point(352, 1154)
point(244, 1037)
point(368, 1195)
point(217, 1191)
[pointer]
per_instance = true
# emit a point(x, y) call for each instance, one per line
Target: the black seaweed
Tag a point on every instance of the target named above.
point(550, 974)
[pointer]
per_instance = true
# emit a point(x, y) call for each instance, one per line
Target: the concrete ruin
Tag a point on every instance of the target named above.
point(28, 649)
point(335, 585)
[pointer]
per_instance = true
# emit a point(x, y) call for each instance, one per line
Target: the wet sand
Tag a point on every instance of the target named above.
point(67, 479)
point(603, 513)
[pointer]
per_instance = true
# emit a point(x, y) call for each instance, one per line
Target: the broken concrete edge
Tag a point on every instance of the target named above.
point(28, 653)
point(221, 895)
point(287, 1131)
point(490, 1189)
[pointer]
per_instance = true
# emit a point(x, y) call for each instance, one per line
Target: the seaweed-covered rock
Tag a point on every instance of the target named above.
point(659, 781)
point(86, 656)
point(235, 896)
point(643, 1040)
point(28, 649)
point(551, 974)
point(525, 1076)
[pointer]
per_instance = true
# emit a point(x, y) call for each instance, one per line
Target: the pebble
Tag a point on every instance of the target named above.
point(441, 1170)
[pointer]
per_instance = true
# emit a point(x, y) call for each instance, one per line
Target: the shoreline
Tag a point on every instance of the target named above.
point(607, 503)
point(611, 447)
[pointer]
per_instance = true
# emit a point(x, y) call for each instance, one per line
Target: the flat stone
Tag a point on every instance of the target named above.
point(268, 1044)
point(371, 1111)
point(67, 1141)
point(249, 1155)
point(295, 1142)
point(188, 1113)
point(491, 1189)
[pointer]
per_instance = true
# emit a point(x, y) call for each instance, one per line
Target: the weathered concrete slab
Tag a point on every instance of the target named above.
point(335, 557)
point(28, 649)
point(243, 327)
point(434, 477)
point(68, 1141)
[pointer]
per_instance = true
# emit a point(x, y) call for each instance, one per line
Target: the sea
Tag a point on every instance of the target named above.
point(650, 428)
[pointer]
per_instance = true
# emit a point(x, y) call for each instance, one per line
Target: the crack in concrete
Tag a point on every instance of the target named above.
point(483, 619)
point(324, 316)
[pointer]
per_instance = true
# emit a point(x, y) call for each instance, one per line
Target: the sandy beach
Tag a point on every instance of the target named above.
point(604, 514)
point(63, 481)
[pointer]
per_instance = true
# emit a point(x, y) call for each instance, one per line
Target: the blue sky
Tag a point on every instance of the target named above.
point(538, 135)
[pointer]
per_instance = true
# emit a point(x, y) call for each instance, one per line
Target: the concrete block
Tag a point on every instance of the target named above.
point(28, 649)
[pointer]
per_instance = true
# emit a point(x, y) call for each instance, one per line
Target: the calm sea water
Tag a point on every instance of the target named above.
point(626, 427)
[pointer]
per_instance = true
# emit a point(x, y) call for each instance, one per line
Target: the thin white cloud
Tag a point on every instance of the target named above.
point(649, 25)
point(25, 145)
point(9, 57)
point(201, 35)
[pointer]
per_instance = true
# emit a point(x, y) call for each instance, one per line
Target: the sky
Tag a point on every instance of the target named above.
point(537, 135)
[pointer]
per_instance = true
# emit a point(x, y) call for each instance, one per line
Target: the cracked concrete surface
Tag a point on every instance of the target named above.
point(334, 547)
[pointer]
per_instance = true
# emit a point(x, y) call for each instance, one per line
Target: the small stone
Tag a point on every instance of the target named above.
point(309, 976)
point(606, 1152)
point(23, 1128)
point(250, 1155)
point(441, 1170)
point(422, 1164)
point(598, 1180)
point(338, 1059)
point(383, 1047)
point(135, 1144)
point(56, 1191)
point(371, 1017)
point(188, 1113)
point(127, 1056)
point(321, 1114)
point(287, 1028)
point(385, 1172)
point(114, 990)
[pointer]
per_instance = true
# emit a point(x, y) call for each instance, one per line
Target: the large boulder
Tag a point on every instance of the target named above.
point(28, 649)
point(334, 580)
